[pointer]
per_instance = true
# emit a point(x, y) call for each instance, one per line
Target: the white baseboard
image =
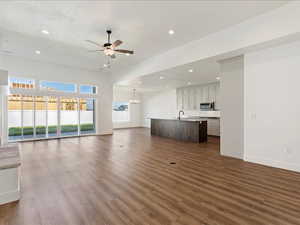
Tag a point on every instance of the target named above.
point(105, 133)
point(273, 163)
point(9, 196)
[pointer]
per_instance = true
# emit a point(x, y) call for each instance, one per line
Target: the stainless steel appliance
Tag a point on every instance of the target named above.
point(207, 106)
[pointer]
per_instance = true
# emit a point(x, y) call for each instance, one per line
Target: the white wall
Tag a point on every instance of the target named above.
point(158, 105)
point(20, 67)
point(134, 109)
point(164, 105)
point(232, 105)
point(272, 106)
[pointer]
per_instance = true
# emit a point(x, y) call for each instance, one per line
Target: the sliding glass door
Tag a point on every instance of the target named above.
point(87, 116)
point(52, 116)
point(69, 116)
point(31, 117)
point(28, 117)
point(40, 117)
point(14, 117)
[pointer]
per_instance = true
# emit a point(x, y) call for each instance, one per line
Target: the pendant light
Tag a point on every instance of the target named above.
point(134, 99)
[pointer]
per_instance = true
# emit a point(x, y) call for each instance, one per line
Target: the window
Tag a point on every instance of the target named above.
point(87, 116)
point(40, 116)
point(34, 115)
point(52, 118)
point(14, 117)
point(31, 117)
point(21, 83)
point(57, 86)
point(69, 116)
point(120, 111)
point(28, 117)
point(87, 89)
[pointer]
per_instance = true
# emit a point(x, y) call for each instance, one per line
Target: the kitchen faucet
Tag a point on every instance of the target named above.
point(181, 111)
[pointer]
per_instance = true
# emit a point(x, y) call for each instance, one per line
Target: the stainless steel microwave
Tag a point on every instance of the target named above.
point(207, 106)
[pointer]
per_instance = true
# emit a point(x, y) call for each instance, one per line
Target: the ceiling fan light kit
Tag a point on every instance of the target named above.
point(109, 48)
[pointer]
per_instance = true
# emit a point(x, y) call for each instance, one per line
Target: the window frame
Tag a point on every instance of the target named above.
point(96, 87)
point(128, 111)
point(58, 91)
point(34, 83)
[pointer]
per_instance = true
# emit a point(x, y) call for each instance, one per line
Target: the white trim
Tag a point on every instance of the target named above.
point(34, 116)
point(58, 130)
point(47, 133)
point(273, 163)
point(78, 113)
point(34, 92)
point(104, 133)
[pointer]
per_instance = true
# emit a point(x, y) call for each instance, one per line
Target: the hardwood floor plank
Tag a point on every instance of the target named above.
point(127, 179)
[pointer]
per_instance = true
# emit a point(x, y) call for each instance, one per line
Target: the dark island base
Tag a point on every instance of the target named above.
point(182, 130)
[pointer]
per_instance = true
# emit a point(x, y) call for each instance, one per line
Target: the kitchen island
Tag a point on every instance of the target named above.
point(191, 130)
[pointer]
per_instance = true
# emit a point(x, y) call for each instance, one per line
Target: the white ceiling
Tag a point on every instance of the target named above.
point(142, 25)
point(204, 71)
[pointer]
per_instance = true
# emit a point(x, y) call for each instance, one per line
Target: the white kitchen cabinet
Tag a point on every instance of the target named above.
point(213, 126)
point(193, 98)
point(189, 98)
point(199, 97)
point(186, 99)
point(212, 93)
point(179, 95)
point(205, 94)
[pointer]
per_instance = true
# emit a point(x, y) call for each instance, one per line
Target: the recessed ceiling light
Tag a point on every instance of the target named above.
point(189, 83)
point(171, 32)
point(161, 77)
point(218, 78)
point(37, 52)
point(45, 32)
point(105, 65)
point(191, 70)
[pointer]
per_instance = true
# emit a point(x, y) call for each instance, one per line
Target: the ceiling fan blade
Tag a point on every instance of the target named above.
point(93, 42)
point(116, 43)
point(124, 51)
point(99, 50)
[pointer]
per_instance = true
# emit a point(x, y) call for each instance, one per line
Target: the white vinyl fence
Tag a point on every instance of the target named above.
point(120, 116)
point(67, 117)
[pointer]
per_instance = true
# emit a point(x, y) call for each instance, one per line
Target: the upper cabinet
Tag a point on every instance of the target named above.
point(189, 98)
point(179, 95)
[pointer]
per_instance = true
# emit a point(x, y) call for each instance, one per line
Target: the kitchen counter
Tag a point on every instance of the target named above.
point(192, 130)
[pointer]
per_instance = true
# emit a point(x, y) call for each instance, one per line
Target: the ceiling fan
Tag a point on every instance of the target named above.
point(109, 48)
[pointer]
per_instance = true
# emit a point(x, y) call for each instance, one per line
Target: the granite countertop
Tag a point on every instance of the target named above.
point(9, 157)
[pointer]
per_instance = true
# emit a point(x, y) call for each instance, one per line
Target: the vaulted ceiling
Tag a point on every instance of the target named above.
point(142, 25)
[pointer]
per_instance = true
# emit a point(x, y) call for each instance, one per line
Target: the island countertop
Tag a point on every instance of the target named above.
point(192, 130)
point(182, 119)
